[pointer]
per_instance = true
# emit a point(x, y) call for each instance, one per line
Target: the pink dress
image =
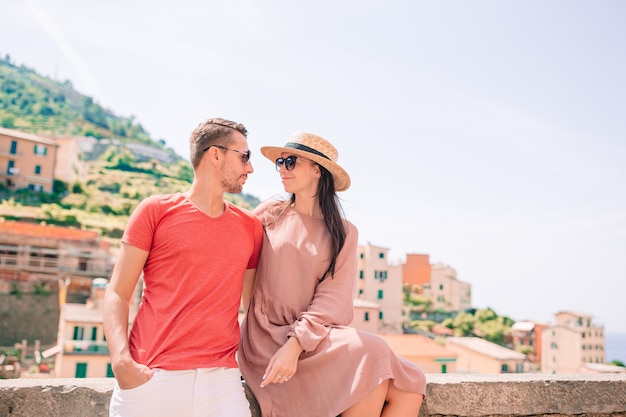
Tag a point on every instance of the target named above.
point(340, 365)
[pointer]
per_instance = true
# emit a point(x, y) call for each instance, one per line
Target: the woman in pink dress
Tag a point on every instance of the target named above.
point(297, 353)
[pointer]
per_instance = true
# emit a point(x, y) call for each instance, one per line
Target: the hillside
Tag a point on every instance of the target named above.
point(33, 103)
point(116, 182)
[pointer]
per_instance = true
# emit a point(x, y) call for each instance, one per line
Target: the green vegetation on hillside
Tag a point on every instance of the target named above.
point(33, 103)
point(483, 323)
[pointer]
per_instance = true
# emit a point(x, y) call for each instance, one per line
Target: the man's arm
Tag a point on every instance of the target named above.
point(248, 285)
point(116, 308)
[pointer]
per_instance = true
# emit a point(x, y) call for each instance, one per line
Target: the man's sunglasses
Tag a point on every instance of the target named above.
point(245, 156)
point(289, 162)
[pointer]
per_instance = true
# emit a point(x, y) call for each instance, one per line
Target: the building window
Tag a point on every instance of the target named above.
point(361, 291)
point(110, 371)
point(380, 275)
point(381, 255)
point(94, 333)
point(81, 370)
point(380, 294)
point(441, 286)
point(8, 256)
point(361, 255)
point(519, 368)
point(505, 368)
point(40, 150)
point(367, 316)
point(11, 167)
point(361, 274)
point(79, 333)
point(82, 264)
point(13, 147)
point(380, 315)
point(37, 169)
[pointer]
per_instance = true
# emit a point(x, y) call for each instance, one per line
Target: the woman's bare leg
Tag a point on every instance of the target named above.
point(402, 403)
point(371, 405)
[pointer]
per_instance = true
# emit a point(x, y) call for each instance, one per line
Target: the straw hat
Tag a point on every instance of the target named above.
point(316, 149)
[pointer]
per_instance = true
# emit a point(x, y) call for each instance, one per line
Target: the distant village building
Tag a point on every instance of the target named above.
point(438, 282)
point(35, 259)
point(38, 253)
point(70, 164)
point(366, 316)
point(430, 356)
point(81, 350)
point(381, 283)
point(476, 355)
point(574, 344)
point(416, 270)
point(528, 334)
point(27, 161)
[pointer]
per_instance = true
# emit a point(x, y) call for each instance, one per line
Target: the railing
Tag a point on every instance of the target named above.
point(85, 346)
point(52, 265)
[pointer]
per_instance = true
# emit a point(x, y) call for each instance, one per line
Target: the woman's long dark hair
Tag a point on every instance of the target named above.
point(331, 210)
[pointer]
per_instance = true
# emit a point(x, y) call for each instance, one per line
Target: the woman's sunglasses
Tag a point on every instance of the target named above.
point(289, 162)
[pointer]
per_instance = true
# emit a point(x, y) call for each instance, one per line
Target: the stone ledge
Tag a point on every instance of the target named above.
point(506, 395)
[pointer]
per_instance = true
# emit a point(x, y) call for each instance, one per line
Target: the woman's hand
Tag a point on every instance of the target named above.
point(283, 364)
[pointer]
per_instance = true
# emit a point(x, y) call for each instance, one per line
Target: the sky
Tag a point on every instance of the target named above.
point(490, 135)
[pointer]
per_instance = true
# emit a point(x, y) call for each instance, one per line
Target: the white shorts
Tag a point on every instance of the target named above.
point(206, 392)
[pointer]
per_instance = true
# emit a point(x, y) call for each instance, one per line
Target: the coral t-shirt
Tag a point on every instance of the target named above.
point(193, 279)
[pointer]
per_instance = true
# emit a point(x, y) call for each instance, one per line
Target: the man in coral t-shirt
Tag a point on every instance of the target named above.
point(198, 254)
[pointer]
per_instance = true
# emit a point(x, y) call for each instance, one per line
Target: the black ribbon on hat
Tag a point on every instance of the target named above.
point(300, 147)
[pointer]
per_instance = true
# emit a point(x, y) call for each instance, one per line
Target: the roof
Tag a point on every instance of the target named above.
point(605, 368)
point(358, 303)
point(46, 231)
point(26, 136)
point(573, 313)
point(486, 347)
point(416, 345)
point(82, 313)
point(524, 326)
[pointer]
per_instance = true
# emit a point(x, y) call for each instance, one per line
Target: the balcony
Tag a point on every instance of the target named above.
point(83, 347)
point(52, 265)
point(521, 395)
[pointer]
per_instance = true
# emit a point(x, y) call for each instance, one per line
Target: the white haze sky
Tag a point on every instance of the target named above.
point(488, 134)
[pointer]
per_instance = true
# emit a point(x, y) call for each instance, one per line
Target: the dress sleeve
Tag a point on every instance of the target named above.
point(332, 303)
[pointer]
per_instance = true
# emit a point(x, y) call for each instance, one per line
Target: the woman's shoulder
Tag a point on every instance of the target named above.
point(270, 210)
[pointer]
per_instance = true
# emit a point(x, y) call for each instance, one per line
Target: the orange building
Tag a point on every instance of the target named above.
point(416, 270)
point(27, 160)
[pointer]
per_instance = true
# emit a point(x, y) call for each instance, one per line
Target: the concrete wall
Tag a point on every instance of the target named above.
point(447, 395)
